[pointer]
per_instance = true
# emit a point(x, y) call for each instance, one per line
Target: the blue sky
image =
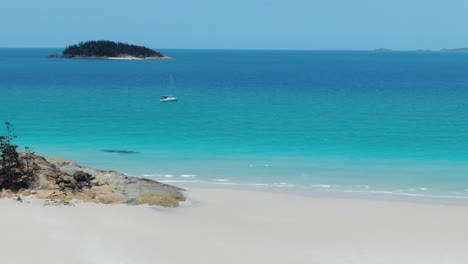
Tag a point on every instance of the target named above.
point(238, 24)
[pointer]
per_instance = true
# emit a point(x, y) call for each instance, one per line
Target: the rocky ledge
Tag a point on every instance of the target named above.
point(63, 181)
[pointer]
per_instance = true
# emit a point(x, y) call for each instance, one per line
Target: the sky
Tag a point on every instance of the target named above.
point(238, 24)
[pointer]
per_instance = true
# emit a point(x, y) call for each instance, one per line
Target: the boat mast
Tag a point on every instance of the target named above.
point(171, 83)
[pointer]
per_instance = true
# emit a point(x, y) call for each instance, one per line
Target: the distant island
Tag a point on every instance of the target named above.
point(426, 50)
point(105, 49)
point(456, 50)
point(382, 49)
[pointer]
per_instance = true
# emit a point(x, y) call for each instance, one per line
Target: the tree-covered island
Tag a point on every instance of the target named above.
point(105, 49)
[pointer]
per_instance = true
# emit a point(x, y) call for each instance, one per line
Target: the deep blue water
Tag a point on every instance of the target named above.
point(365, 121)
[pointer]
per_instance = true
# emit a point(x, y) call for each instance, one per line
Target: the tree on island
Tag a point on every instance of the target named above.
point(106, 48)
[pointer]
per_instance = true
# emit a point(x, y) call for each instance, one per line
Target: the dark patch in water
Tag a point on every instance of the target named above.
point(120, 151)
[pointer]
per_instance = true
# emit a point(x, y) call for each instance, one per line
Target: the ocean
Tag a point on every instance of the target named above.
point(338, 121)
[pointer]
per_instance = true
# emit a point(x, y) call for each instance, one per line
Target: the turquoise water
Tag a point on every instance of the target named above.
point(315, 120)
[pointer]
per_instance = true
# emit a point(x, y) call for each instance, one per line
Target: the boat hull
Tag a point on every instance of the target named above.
point(168, 99)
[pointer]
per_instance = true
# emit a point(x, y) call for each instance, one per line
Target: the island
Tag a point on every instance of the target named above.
point(382, 50)
point(105, 49)
point(455, 50)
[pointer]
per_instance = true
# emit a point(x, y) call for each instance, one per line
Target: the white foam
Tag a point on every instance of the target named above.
point(187, 175)
point(414, 194)
point(283, 184)
point(158, 175)
point(181, 181)
point(320, 185)
point(264, 165)
point(221, 180)
point(423, 189)
point(364, 186)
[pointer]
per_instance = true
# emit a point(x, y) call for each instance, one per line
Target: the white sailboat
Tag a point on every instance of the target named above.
point(170, 97)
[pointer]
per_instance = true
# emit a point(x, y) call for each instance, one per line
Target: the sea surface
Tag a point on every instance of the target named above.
point(339, 121)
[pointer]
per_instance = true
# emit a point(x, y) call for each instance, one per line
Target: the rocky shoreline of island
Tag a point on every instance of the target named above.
point(121, 57)
point(60, 181)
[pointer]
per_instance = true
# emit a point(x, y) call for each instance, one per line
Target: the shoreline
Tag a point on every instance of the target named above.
point(235, 226)
point(326, 190)
point(354, 192)
point(111, 58)
point(136, 58)
point(215, 223)
point(330, 194)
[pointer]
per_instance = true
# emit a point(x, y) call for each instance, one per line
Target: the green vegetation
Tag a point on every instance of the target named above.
point(15, 172)
point(106, 48)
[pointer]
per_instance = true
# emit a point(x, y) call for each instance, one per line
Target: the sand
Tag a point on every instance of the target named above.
point(235, 226)
point(137, 58)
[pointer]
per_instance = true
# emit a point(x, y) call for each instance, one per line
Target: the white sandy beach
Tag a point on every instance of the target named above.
point(136, 58)
point(234, 226)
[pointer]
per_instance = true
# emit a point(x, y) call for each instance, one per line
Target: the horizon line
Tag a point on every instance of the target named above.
point(384, 50)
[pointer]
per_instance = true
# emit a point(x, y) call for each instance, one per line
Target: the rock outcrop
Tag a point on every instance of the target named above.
point(63, 181)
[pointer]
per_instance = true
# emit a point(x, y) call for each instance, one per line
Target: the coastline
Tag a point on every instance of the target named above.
point(136, 58)
point(236, 226)
point(333, 194)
